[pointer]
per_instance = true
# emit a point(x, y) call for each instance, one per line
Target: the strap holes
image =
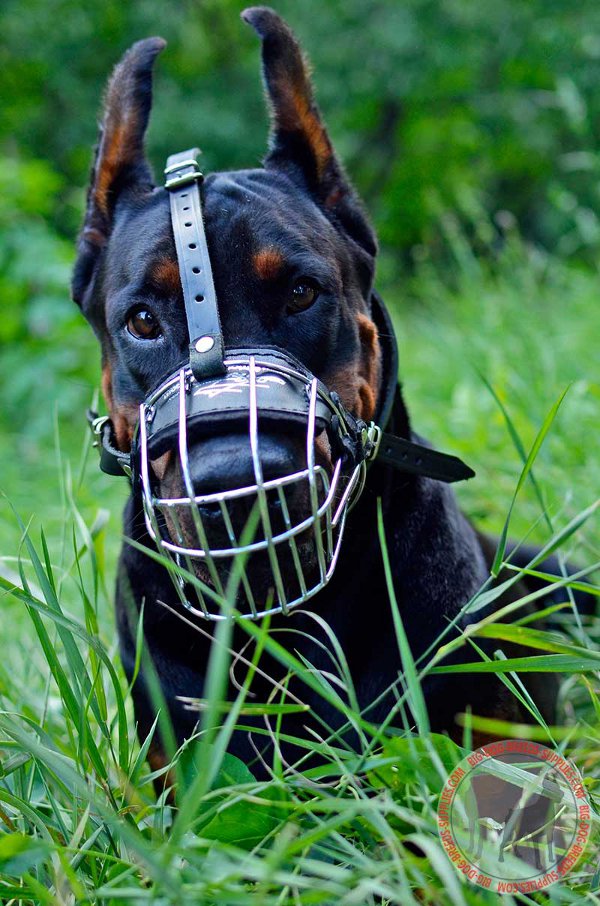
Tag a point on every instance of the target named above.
point(184, 195)
point(195, 270)
point(192, 245)
point(188, 223)
point(187, 207)
point(199, 298)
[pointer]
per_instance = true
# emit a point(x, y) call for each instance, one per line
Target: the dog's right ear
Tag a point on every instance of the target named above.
point(120, 163)
point(299, 141)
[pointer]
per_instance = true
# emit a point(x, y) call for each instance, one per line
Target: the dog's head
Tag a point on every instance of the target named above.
point(292, 255)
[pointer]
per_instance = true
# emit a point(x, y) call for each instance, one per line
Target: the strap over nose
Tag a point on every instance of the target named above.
point(182, 179)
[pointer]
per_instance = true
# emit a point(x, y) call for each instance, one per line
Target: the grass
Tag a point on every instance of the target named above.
point(485, 361)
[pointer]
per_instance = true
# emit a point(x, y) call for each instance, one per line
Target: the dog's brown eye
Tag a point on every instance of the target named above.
point(143, 325)
point(304, 293)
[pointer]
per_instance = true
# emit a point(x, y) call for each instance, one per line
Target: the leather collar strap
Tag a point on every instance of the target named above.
point(407, 456)
point(182, 179)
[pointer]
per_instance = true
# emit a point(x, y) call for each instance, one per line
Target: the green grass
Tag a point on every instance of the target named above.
point(79, 817)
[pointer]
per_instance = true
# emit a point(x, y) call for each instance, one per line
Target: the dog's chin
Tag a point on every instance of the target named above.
point(292, 563)
point(258, 576)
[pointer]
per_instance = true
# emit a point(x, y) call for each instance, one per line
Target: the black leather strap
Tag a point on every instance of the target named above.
point(182, 178)
point(407, 456)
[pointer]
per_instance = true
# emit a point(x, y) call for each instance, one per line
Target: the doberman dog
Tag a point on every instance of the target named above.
point(293, 258)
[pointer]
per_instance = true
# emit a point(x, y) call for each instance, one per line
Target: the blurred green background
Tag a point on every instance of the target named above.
point(470, 129)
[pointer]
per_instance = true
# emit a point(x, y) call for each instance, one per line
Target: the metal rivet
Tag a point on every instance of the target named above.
point(204, 344)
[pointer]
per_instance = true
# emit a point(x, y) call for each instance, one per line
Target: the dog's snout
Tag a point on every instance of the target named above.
point(226, 463)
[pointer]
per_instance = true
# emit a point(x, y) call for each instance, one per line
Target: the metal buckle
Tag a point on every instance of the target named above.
point(371, 441)
point(193, 173)
point(96, 426)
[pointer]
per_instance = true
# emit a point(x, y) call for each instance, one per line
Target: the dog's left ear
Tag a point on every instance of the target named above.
point(299, 143)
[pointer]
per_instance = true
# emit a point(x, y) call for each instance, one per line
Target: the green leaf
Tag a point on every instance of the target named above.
point(232, 770)
point(19, 853)
point(245, 813)
point(415, 696)
point(551, 663)
point(415, 760)
point(247, 821)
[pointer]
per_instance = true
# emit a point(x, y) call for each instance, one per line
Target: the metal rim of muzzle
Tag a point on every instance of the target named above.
point(329, 505)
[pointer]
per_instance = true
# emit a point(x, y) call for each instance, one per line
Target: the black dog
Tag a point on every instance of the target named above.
point(293, 257)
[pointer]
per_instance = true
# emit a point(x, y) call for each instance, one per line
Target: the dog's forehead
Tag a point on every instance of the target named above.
point(263, 198)
point(251, 208)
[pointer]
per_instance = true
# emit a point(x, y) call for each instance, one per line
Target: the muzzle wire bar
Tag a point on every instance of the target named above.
point(293, 546)
point(310, 462)
point(260, 490)
point(189, 487)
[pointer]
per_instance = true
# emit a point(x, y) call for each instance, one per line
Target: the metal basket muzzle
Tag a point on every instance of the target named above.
point(252, 388)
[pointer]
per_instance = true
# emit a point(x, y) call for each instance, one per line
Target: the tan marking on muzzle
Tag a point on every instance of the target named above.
point(357, 383)
point(160, 465)
point(370, 374)
point(124, 416)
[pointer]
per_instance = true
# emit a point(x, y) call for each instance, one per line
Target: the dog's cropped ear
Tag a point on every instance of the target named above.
point(299, 140)
point(119, 163)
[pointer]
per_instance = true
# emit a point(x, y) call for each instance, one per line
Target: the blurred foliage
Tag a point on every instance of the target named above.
point(35, 264)
point(485, 114)
point(433, 104)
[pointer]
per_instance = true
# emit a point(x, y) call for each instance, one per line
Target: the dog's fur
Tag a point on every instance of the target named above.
point(296, 217)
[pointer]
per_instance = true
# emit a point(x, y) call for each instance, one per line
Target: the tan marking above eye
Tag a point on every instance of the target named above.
point(165, 276)
point(267, 263)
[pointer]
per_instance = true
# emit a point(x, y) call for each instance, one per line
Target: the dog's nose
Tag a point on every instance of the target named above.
point(226, 463)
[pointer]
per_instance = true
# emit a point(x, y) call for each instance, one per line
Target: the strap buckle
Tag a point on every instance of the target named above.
point(371, 439)
point(112, 460)
point(97, 424)
point(183, 172)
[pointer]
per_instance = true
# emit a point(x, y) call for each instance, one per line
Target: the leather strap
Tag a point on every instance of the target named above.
point(182, 178)
point(407, 456)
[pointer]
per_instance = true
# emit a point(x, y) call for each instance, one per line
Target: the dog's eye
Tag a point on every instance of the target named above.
point(143, 325)
point(305, 293)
